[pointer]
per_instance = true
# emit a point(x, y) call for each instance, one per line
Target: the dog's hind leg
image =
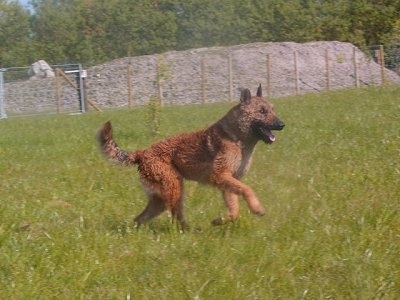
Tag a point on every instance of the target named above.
point(177, 213)
point(173, 193)
point(165, 186)
point(232, 204)
point(154, 207)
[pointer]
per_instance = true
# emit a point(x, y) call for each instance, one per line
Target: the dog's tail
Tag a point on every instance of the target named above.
point(111, 150)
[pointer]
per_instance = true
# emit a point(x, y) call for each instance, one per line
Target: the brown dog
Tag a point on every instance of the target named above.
point(219, 155)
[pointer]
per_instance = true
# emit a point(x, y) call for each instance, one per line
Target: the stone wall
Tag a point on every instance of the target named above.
point(216, 74)
point(209, 75)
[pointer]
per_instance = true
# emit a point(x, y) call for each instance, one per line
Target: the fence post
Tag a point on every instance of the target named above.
point(296, 73)
point(269, 92)
point(328, 70)
point(129, 83)
point(382, 63)
point(80, 87)
point(356, 74)
point(203, 80)
point(230, 76)
point(160, 77)
point(3, 114)
point(58, 90)
point(85, 87)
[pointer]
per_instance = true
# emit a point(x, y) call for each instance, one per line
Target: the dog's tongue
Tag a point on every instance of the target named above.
point(270, 136)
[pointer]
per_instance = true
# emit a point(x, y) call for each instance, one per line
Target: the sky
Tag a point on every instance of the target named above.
point(24, 2)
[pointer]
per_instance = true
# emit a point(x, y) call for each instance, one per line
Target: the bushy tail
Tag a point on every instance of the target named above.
point(110, 148)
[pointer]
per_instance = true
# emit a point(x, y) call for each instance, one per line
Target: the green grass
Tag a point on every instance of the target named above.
point(330, 184)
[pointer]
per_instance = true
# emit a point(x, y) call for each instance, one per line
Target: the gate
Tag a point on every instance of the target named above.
point(56, 89)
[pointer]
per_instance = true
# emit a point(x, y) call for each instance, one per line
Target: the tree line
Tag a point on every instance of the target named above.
point(94, 31)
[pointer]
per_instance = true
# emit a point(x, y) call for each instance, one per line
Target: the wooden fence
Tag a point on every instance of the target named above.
point(197, 76)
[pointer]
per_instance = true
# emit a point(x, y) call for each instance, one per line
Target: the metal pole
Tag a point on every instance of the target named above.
point(81, 90)
point(3, 114)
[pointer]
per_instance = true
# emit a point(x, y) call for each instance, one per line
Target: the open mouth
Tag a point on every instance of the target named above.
point(267, 136)
point(264, 133)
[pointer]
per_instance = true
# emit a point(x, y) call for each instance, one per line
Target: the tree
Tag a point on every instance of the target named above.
point(15, 45)
point(136, 27)
point(208, 23)
point(93, 31)
point(362, 22)
point(57, 27)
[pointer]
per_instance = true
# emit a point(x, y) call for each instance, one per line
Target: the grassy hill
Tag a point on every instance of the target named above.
point(330, 184)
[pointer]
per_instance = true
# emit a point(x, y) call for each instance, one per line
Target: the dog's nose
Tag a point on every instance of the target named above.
point(279, 125)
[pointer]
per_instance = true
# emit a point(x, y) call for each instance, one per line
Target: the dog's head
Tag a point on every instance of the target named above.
point(259, 116)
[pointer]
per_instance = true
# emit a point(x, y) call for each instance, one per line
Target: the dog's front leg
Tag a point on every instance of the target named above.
point(232, 187)
point(232, 204)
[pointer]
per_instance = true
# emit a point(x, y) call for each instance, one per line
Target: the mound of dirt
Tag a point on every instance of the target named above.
point(204, 75)
point(216, 74)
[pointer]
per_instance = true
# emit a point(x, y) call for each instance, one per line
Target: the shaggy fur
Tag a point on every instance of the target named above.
point(218, 155)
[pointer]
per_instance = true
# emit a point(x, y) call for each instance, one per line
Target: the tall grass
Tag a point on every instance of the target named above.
point(330, 184)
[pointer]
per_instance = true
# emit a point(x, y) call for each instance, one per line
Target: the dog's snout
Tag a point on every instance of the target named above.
point(279, 125)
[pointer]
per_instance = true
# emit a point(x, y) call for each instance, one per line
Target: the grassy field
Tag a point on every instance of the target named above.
point(330, 184)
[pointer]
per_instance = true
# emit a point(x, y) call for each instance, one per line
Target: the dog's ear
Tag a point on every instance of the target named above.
point(245, 96)
point(259, 91)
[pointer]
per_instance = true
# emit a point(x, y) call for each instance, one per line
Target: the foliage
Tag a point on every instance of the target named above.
point(153, 116)
point(331, 185)
point(15, 46)
point(93, 31)
point(208, 23)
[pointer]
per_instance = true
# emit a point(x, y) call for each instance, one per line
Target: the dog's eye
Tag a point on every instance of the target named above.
point(263, 110)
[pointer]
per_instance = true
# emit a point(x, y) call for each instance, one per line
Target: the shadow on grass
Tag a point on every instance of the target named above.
point(168, 227)
point(124, 228)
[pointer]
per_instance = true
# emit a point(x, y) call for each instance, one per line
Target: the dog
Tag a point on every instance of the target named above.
point(218, 155)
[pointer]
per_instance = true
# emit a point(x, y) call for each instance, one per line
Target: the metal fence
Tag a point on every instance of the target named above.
point(57, 90)
point(198, 76)
point(216, 74)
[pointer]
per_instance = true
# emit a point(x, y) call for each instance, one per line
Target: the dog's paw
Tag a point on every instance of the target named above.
point(219, 221)
point(260, 212)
